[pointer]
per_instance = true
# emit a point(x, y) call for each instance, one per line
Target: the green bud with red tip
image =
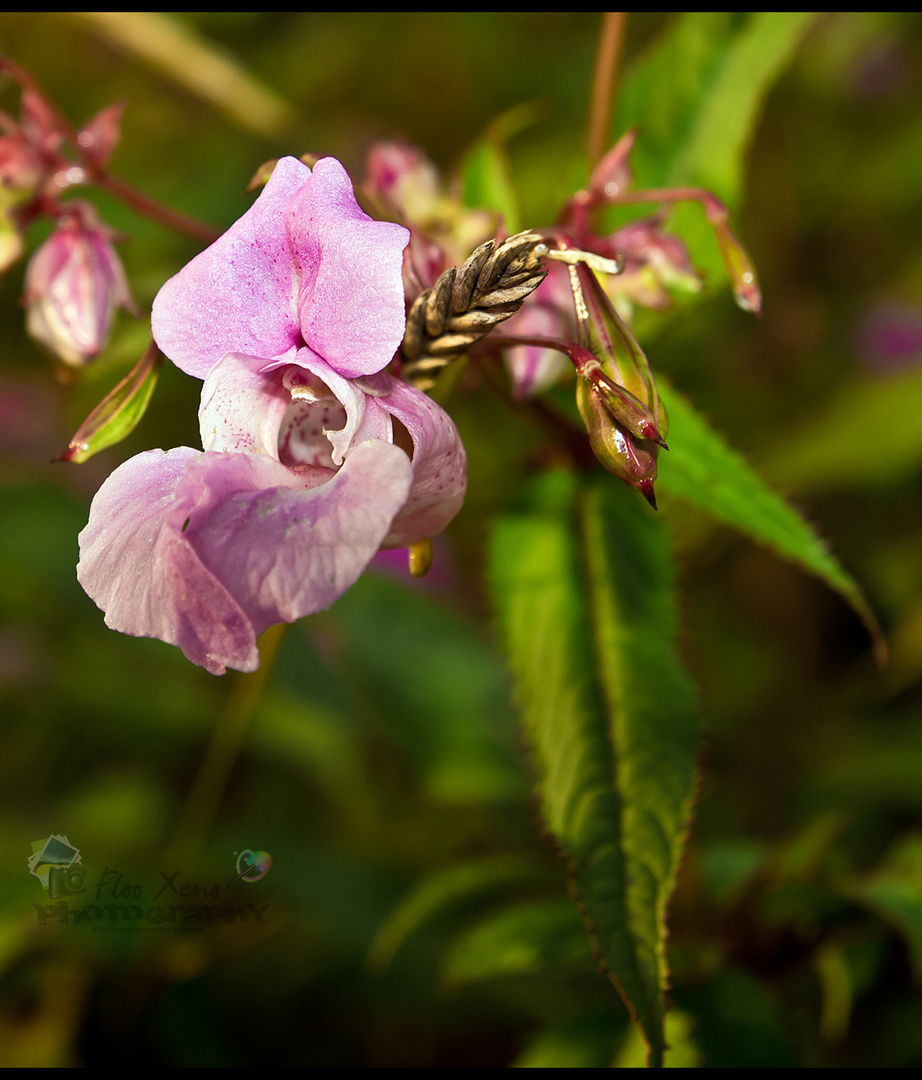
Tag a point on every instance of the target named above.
point(631, 459)
point(615, 391)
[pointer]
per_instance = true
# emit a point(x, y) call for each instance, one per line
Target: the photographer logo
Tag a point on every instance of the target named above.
point(57, 865)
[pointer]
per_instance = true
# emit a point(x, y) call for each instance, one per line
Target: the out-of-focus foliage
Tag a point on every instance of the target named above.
point(416, 915)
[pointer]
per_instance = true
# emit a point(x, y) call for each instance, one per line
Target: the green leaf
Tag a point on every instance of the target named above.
point(119, 412)
point(682, 1053)
point(485, 173)
point(696, 98)
point(583, 587)
point(696, 95)
point(443, 668)
point(704, 471)
point(578, 1042)
point(442, 891)
point(487, 182)
point(519, 940)
point(723, 125)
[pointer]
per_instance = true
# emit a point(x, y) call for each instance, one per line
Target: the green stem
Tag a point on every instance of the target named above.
point(604, 81)
point(145, 206)
point(130, 196)
point(208, 788)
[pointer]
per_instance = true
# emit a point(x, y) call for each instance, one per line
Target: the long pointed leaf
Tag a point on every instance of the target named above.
point(696, 95)
point(702, 469)
point(584, 593)
point(696, 98)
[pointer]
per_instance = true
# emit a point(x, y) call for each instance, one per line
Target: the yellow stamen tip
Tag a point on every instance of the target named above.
point(420, 558)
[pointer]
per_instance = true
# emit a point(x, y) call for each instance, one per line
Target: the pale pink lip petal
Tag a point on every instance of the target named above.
point(205, 551)
point(439, 466)
point(351, 305)
point(136, 565)
point(240, 294)
point(288, 551)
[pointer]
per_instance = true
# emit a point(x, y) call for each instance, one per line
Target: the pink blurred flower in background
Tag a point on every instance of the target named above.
point(73, 284)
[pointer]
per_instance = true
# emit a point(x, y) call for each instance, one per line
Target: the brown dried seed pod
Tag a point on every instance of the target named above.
point(467, 302)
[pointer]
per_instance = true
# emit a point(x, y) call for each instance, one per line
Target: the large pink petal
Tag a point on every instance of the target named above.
point(136, 565)
point(286, 552)
point(240, 294)
point(351, 303)
point(439, 465)
point(205, 551)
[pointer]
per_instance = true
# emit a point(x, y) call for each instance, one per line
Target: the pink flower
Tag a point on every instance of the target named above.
point(73, 284)
point(289, 319)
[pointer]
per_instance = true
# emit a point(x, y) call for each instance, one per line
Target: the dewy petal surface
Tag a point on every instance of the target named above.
point(304, 265)
point(291, 552)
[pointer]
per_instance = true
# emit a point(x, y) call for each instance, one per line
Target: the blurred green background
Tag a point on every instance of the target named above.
point(380, 763)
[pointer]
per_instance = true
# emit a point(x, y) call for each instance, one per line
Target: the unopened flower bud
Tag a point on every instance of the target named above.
point(73, 284)
point(404, 185)
point(404, 178)
point(627, 410)
point(630, 459)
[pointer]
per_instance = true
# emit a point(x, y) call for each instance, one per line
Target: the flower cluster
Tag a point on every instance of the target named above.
point(313, 456)
point(75, 279)
point(650, 263)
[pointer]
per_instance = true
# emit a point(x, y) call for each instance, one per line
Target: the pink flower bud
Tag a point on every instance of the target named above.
point(73, 284)
point(404, 178)
point(405, 186)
